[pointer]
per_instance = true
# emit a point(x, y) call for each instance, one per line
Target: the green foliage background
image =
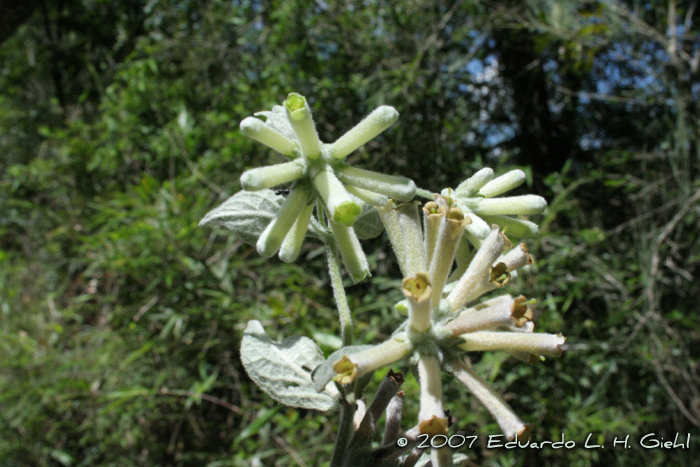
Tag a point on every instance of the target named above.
point(120, 320)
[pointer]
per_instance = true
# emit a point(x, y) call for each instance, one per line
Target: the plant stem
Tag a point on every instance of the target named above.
point(424, 193)
point(341, 299)
point(344, 433)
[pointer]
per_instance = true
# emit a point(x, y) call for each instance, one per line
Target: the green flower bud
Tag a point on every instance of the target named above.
point(272, 175)
point(400, 188)
point(375, 123)
point(273, 236)
point(505, 182)
point(299, 114)
point(259, 131)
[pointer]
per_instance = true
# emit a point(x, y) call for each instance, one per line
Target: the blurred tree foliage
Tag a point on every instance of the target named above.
point(120, 320)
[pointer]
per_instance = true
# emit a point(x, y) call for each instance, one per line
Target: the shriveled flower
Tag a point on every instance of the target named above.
point(318, 172)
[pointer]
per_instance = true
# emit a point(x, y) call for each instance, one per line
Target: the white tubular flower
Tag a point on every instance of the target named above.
point(272, 237)
point(409, 221)
point(354, 258)
point(341, 206)
point(475, 281)
point(399, 188)
point(433, 214)
point(353, 366)
point(292, 242)
point(448, 236)
point(402, 225)
point(374, 124)
point(500, 313)
point(431, 418)
point(418, 291)
point(517, 258)
point(258, 130)
point(473, 184)
point(500, 185)
point(510, 423)
point(537, 344)
point(273, 175)
point(299, 115)
point(290, 130)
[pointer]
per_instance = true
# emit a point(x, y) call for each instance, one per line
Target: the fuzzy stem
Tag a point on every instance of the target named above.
point(341, 300)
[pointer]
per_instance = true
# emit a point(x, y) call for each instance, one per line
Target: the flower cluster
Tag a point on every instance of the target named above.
point(478, 196)
point(443, 318)
point(318, 172)
point(452, 251)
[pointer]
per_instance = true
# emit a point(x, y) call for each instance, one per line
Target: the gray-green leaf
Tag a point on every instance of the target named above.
point(283, 369)
point(246, 213)
point(325, 373)
point(368, 224)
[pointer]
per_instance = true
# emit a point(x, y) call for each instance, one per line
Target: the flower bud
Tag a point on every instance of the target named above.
point(502, 184)
point(295, 237)
point(375, 123)
point(400, 188)
point(341, 206)
point(520, 228)
point(473, 184)
point(273, 235)
point(369, 197)
point(259, 131)
point(272, 175)
point(354, 258)
point(299, 114)
point(525, 204)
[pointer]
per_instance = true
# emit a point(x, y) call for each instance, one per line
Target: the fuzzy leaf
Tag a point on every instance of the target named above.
point(368, 224)
point(283, 369)
point(325, 373)
point(246, 213)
